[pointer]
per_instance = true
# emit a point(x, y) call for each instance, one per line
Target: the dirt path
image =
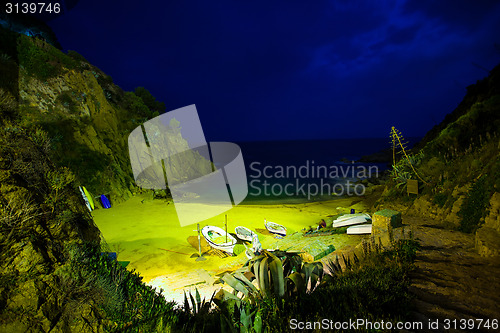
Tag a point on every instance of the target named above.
point(451, 280)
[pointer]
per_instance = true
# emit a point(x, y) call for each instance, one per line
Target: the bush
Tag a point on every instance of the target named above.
point(440, 199)
point(41, 59)
point(126, 302)
point(68, 102)
point(149, 100)
point(474, 206)
point(77, 56)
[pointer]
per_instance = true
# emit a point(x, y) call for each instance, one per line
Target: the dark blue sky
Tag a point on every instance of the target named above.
point(267, 70)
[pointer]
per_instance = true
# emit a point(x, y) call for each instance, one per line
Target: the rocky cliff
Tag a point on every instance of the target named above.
point(63, 123)
point(457, 165)
point(86, 116)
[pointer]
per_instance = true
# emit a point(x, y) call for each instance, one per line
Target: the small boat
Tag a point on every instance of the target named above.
point(87, 198)
point(275, 228)
point(218, 238)
point(105, 201)
point(359, 229)
point(349, 221)
point(350, 216)
point(244, 233)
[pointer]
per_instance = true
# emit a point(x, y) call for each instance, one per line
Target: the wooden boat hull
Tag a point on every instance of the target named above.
point(359, 229)
point(275, 228)
point(213, 235)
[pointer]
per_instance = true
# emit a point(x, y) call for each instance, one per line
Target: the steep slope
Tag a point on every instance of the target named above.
point(63, 123)
point(455, 216)
point(42, 219)
point(457, 163)
point(87, 117)
point(481, 92)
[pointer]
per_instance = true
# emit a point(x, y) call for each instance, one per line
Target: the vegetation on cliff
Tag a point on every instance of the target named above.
point(456, 164)
point(86, 116)
point(63, 124)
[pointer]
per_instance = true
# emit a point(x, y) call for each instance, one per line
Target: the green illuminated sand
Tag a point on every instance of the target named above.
point(147, 233)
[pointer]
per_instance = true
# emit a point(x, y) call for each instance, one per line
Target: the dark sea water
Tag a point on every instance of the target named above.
point(308, 170)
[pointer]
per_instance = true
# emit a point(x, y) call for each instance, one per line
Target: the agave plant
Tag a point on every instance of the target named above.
point(198, 306)
point(274, 277)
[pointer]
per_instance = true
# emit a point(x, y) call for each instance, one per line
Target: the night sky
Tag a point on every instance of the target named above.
point(271, 70)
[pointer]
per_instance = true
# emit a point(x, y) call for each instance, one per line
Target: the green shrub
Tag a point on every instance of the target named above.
point(76, 56)
point(42, 60)
point(149, 100)
point(440, 199)
point(67, 101)
point(126, 302)
point(136, 105)
point(474, 206)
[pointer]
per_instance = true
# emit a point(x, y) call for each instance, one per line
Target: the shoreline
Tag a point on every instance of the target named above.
point(147, 233)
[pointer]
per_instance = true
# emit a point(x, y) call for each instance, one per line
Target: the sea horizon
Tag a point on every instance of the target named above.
point(293, 171)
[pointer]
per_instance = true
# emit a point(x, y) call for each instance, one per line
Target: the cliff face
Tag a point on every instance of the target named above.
point(85, 129)
point(42, 218)
point(63, 123)
point(86, 116)
point(485, 91)
point(458, 168)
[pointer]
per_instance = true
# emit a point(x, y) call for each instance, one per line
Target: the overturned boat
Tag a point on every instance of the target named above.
point(359, 229)
point(351, 219)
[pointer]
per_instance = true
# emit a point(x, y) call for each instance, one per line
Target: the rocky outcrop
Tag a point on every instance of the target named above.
point(86, 130)
point(424, 206)
point(43, 219)
point(457, 168)
point(87, 117)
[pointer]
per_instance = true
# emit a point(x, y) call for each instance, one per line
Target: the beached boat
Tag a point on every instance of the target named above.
point(349, 221)
point(244, 233)
point(350, 216)
point(359, 229)
point(218, 239)
point(275, 228)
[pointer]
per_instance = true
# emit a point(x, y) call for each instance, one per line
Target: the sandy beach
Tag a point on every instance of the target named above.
point(147, 233)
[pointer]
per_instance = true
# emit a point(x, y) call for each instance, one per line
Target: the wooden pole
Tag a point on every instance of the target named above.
point(199, 239)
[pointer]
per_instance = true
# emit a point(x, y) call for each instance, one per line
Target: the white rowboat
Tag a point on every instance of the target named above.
point(218, 239)
point(244, 233)
point(275, 228)
point(359, 229)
